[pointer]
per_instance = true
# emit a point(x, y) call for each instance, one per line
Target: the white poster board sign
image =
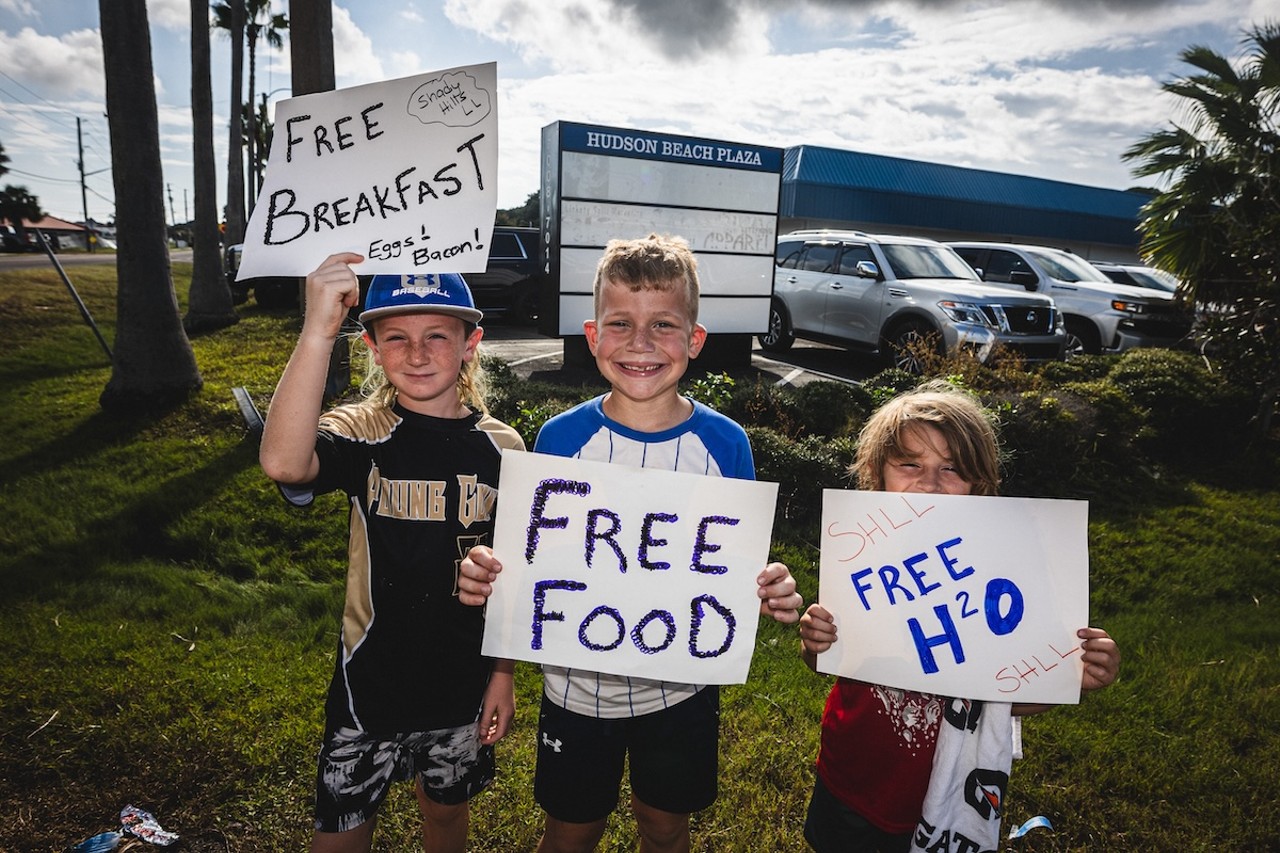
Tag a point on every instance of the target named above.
point(630, 571)
point(403, 172)
point(972, 597)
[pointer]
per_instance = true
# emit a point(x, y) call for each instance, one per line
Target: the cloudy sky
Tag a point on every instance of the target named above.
point(1050, 88)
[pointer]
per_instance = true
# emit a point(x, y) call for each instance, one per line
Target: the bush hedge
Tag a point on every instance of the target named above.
point(1094, 427)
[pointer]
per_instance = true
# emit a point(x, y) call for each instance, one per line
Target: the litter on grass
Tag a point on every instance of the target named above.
point(142, 825)
point(103, 842)
point(1038, 820)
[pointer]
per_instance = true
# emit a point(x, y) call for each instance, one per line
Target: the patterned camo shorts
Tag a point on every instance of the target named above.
point(355, 771)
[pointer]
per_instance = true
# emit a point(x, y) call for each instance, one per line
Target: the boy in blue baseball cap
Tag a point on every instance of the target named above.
point(411, 695)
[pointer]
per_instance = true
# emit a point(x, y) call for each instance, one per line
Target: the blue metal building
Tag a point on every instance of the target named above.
point(827, 187)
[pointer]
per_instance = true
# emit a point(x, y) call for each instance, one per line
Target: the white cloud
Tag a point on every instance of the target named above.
point(20, 8)
point(55, 66)
point(170, 14)
point(354, 60)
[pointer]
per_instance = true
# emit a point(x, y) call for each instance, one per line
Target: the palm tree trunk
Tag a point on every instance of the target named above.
point(153, 362)
point(235, 147)
point(209, 305)
point(311, 55)
point(252, 130)
point(311, 46)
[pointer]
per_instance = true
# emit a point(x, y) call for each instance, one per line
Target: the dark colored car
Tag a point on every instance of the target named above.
point(269, 291)
point(509, 286)
point(1138, 275)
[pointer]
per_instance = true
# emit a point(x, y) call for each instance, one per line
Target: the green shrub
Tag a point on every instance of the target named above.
point(1066, 442)
point(832, 408)
point(889, 383)
point(713, 389)
point(765, 405)
point(802, 468)
point(526, 405)
point(1080, 368)
point(1170, 380)
point(1185, 406)
point(820, 408)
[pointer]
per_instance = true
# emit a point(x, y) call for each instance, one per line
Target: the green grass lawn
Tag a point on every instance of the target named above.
point(169, 626)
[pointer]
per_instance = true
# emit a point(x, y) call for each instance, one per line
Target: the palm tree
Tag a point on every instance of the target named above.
point(230, 16)
point(311, 55)
point(254, 20)
point(263, 128)
point(271, 29)
point(311, 46)
point(153, 362)
point(16, 205)
point(1216, 222)
point(209, 305)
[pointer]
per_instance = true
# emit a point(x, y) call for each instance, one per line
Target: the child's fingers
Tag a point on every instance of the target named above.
point(472, 592)
point(771, 573)
point(342, 258)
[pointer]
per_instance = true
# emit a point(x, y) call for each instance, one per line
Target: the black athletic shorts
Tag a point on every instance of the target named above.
point(832, 827)
point(672, 752)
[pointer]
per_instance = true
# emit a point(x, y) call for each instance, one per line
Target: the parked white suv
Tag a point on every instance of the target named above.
point(879, 292)
point(1100, 314)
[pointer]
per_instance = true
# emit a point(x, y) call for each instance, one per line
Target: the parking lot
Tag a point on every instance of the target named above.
point(531, 354)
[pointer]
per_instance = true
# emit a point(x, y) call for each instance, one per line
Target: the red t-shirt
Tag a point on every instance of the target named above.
point(877, 751)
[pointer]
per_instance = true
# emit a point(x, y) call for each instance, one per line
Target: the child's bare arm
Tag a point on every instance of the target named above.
point(476, 575)
point(499, 706)
point(287, 453)
point(777, 590)
point(1101, 658)
point(817, 634)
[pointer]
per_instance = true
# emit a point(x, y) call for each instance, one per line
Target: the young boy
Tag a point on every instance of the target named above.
point(877, 757)
point(643, 334)
point(411, 694)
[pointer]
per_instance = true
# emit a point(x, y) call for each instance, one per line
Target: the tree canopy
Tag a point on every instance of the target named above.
point(1216, 222)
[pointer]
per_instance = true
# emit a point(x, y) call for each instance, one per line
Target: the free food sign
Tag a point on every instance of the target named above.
point(630, 571)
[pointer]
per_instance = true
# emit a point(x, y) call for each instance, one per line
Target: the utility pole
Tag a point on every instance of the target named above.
point(173, 217)
point(90, 238)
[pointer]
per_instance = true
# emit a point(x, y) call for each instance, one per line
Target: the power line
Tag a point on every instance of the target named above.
point(34, 94)
point(110, 201)
point(19, 117)
point(43, 177)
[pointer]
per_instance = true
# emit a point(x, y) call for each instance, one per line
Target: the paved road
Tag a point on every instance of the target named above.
point(33, 260)
point(531, 354)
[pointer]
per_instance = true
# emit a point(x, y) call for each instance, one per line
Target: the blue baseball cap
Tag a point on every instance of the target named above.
point(422, 293)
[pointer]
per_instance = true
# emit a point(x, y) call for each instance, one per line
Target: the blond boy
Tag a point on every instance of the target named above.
point(644, 332)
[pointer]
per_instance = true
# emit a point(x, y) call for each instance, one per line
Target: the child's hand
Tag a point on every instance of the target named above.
point(332, 290)
point(778, 589)
point(499, 706)
point(476, 575)
point(1101, 659)
point(817, 630)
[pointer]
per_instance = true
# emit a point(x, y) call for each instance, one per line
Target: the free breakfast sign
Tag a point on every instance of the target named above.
point(630, 571)
point(965, 596)
point(403, 172)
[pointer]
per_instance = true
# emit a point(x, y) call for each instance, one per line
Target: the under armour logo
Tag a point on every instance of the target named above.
point(554, 744)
